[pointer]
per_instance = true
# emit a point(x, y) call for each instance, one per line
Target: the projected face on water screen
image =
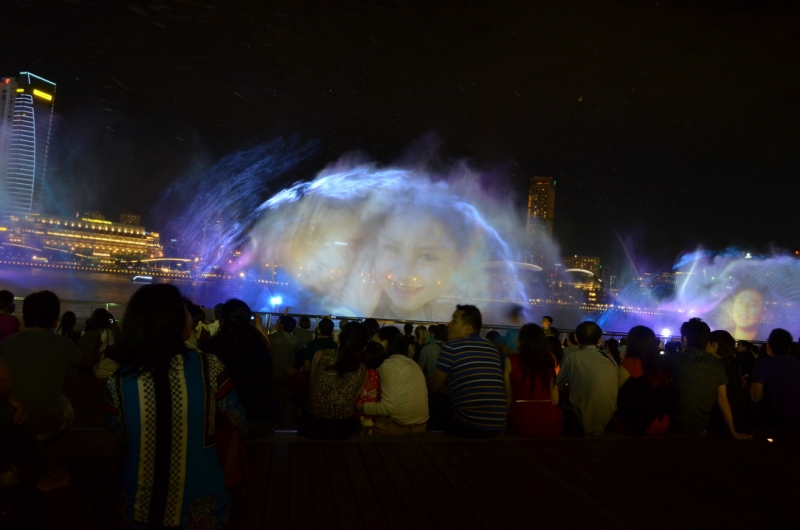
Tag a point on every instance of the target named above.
point(366, 243)
point(747, 307)
point(414, 261)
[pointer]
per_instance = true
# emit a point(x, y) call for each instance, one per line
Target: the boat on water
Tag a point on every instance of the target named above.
point(142, 279)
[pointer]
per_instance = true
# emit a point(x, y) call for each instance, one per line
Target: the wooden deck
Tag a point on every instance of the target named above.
point(435, 481)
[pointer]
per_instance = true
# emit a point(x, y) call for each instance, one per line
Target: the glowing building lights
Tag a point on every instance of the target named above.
point(42, 95)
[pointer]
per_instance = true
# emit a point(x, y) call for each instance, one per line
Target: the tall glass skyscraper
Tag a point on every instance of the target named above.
point(26, 117)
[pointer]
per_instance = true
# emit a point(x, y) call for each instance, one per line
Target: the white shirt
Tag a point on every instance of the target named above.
point(592, 378)
point(404, 392)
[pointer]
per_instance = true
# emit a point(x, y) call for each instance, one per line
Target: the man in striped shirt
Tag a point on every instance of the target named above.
point(469, 368)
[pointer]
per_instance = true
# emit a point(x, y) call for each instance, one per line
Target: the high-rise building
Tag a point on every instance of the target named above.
point(540, 214)
point(26, 117)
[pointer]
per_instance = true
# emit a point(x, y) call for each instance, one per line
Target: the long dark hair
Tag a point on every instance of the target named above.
point(152, 330)
point(67, 327)
point(352, 343)
point(100, 320)
point(535, 358)
point(643, 344)
point(237, 333)
point(726, 345)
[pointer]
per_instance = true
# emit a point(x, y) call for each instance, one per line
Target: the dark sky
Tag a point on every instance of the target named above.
point(666, 124)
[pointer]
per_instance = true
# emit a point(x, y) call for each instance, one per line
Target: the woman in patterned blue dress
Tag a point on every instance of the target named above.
point(164, 402)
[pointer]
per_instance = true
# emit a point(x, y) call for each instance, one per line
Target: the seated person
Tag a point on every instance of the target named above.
point(776, 380)
point(429, 355)
point(645, 397)
point(403, 404)
point(700, 381)
point(531, 391)
point(298, 379)
point(469, 367)
point(39, 360)
point(246, 355)
point(337, 379)
point(592, 379)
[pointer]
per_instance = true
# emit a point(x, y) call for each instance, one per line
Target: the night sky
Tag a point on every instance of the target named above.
point(667, 125)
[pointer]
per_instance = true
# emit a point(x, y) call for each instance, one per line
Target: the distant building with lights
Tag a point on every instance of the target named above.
point(540, 214)
point(26, 117)
point(588, 263)
point(130, 219)
point(71, 239)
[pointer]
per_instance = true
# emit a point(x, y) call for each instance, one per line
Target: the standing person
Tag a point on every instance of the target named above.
point(39, 361)
point(469, 366)
point(722, 345)
point(592, 380)
point(777, 378)
point(420, 340)
point(164, 402)
point(701, 382)
point(547, 321)
point(531, 391)
point(303, 332)
point(67, 327)
point(245, 353)
point(9, 324)
point(97, 343)
point(283, 345)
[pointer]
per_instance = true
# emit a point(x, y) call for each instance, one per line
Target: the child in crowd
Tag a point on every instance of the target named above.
point(372, 357)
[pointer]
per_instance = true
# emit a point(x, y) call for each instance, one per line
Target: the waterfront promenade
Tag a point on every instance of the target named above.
point(435, 481)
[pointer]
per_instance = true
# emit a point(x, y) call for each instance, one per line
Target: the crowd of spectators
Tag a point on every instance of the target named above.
point(184, 393)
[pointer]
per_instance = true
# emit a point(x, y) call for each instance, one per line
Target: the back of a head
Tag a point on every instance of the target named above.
point(100, 319)
point(440, 332)
point(68, 321)
point(218, 311)
point(612, 345)
point(534, 353)
point(352, 344)
point(696, 332)
point(152, 328)
point(471, 316)
point(235, 314)
point(780, 342)
point(421, 334)
point(41, 309)
point(304, 322)
point(353, 333)
point(588, 333)
point(6, 299)
point(726, 345)
point(389, 334)
point(372, 326)
point(494, 336)
point(552, 332)
point(325, 327)
point(373, 355)
point(670, 347)
point(343, 323)
point(644, 345)
point(408, 328)
point(289, 323)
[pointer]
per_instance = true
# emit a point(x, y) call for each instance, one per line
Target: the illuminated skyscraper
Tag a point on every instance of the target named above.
point(540, 215)
point(26, 116)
